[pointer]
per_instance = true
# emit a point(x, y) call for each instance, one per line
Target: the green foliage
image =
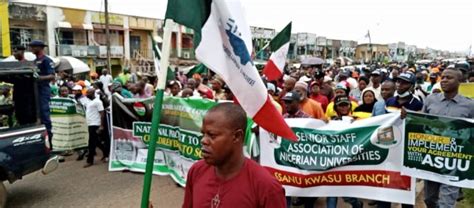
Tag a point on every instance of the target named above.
point(469, 196)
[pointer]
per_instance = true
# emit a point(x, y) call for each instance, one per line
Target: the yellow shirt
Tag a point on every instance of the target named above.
point(330, 112)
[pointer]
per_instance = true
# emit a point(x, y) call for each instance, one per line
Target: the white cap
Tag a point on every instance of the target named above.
point(327, 79)
point(305, 79)
point(77, 87)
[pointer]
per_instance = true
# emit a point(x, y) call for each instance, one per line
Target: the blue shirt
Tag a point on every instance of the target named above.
point(379, 108)
point(414, 104)
point(46, 67)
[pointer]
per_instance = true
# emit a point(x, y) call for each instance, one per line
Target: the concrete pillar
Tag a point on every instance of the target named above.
point(126, 38)
point(179, 42)
point(52, 19)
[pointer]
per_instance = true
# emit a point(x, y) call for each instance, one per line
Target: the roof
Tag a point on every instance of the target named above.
point(154, 11)
point(7, 68)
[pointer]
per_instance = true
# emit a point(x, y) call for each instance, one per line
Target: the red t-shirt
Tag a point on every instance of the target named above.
point(252, 187)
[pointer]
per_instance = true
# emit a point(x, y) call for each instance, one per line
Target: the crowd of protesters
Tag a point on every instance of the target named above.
point(315, 91)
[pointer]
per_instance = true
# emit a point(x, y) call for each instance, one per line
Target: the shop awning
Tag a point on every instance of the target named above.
point(70, 26)
point(111, 27)
point(88, 26)
point(63, 25)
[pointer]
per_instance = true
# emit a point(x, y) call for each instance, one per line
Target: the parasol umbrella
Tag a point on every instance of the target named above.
point(70, 63)
point(312, 61)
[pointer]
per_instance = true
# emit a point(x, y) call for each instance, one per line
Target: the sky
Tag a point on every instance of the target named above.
point(439, 24)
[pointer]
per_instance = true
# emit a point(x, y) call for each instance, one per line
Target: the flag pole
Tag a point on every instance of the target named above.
point(164, 63)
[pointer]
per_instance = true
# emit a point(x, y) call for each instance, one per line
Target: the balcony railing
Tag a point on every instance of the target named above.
point(115, 51)
point(185, 53)
point(78, 50)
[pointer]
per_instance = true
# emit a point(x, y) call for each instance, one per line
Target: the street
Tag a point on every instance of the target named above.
point(73, 186)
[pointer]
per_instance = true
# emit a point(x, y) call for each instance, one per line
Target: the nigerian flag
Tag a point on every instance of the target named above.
point(223, 42)
point(198, 69)
point(279, 46)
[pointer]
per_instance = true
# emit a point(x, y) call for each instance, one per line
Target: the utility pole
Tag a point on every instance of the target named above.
point(107, 35)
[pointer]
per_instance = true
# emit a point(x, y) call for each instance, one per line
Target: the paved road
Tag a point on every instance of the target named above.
point(73, 186)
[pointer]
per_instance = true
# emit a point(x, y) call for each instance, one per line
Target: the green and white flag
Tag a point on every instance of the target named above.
point(223, 43)
point(279, 47)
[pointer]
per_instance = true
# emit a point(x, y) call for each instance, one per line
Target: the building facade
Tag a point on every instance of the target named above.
point(81, 34)
point(367, 53)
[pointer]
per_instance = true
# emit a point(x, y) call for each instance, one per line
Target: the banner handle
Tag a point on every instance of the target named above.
point(164, 63)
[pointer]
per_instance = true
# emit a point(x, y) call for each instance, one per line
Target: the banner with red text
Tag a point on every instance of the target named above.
point(360, 159)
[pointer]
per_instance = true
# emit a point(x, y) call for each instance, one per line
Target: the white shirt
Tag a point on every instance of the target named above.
point(93, 109)
point(106, 80)
point(83, 100)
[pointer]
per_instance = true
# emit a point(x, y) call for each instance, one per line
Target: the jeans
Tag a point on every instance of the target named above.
point(440, 195)
point(45, 118)
point(331, 202)
point(105, 138)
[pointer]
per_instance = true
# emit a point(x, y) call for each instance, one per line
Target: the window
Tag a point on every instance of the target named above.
point(17, 99)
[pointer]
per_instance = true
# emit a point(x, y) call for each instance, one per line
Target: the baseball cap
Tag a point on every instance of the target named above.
point(376, 72)
point(341, 85)
point(77, 87)
point(37, 43)
point(345, 73)
point(314, 83)
point(116, 85)
point(408, 77)
point(341, 99)
point(292, 96)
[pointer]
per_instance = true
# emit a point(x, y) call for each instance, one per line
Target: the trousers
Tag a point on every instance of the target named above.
point(94, 142)
point(440, 195)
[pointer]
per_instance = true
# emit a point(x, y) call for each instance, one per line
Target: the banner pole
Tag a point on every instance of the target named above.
point(155, 122)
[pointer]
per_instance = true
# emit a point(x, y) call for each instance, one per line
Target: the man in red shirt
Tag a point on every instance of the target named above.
point(225, 177)
point(317, 96)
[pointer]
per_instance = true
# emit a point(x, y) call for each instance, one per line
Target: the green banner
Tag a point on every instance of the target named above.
point(69, 124)
point(179, 135)
point(439, 149)
point(321, 150)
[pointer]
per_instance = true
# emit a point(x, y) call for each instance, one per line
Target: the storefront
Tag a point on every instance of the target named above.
point(27, 23)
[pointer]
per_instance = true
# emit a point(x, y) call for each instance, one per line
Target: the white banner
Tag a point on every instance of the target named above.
point(360, 159)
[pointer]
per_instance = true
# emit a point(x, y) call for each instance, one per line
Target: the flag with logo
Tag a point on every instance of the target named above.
point(223, 43)
point(279, 47)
